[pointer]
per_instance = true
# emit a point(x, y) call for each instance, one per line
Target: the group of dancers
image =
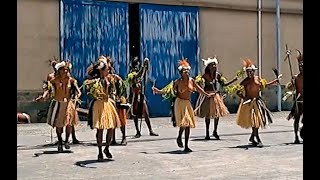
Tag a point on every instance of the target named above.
point(109, 107)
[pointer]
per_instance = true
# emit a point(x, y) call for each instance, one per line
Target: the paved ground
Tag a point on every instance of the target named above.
point(160, 158)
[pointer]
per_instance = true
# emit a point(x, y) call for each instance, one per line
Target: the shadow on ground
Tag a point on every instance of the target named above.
point(193, 138)
point(248, 146)
point(178, 151)
point(51, 152)
point(88, 162)
point(213, 139)
point(292, 143)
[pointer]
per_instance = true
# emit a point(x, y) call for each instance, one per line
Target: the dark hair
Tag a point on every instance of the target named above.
point(135, 64)
point(93, 72)
point(207, 70)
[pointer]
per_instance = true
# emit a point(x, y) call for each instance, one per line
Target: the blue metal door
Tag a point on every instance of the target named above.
point(89, 29)
point(168, 33)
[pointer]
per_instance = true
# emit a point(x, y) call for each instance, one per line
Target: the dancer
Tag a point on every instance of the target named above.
point(184, 114)
point(62, 112)
point(104, 114)
point(213, 107)
point(46, 89)
point(252, 112)
point(139, 104)
point(296, 85)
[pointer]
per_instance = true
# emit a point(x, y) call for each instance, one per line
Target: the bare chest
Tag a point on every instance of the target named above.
point(185, 87)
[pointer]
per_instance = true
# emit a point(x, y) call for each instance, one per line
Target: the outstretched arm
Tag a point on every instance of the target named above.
point(168, 89)
point(230, 82)
point(46, 91)
point(43, 96)
point(275, 81)
point(157, 91)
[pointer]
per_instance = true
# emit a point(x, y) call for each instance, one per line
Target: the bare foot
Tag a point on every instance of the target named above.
point(107, 153)
point(179, 142)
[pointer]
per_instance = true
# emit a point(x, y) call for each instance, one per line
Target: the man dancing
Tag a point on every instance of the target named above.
point(139, 104)
point(48, 91)
point(252, 112)
point(297, 109)
point(62, 112)
point(212, 107)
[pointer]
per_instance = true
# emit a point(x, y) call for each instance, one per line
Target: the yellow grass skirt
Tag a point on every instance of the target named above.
point(212, 107)
point(253, 114)
point(104, 115)
point(184, 113)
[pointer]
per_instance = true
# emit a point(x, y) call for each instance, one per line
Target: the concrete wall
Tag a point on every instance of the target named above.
point(232, 34)
point(37, 41)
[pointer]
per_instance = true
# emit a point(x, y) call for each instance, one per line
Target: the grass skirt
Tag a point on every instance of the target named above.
point(104, 115)
point(253, 114)
point(212, 107)
point(61, 114)
point(184, 113)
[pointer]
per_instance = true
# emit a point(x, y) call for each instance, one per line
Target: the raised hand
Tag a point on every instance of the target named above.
point(155, 90)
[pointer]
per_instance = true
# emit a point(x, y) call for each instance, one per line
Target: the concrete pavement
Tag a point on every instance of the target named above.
point(160, 158)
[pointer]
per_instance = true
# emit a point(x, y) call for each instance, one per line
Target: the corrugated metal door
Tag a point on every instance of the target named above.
point(168, 33)
point(92, 28)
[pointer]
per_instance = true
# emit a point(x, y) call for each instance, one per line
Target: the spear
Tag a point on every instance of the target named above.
point(288, 52)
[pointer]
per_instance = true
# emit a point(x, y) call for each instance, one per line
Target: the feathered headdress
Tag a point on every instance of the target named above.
point(52, 62)
point(210, 60)
point(183, 64)
point(103, 60)
point(300, 56)
point(63, 64)
point(248, 65)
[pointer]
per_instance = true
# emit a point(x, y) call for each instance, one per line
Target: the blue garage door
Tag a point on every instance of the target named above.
point(92, 28)
point(168, 33)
